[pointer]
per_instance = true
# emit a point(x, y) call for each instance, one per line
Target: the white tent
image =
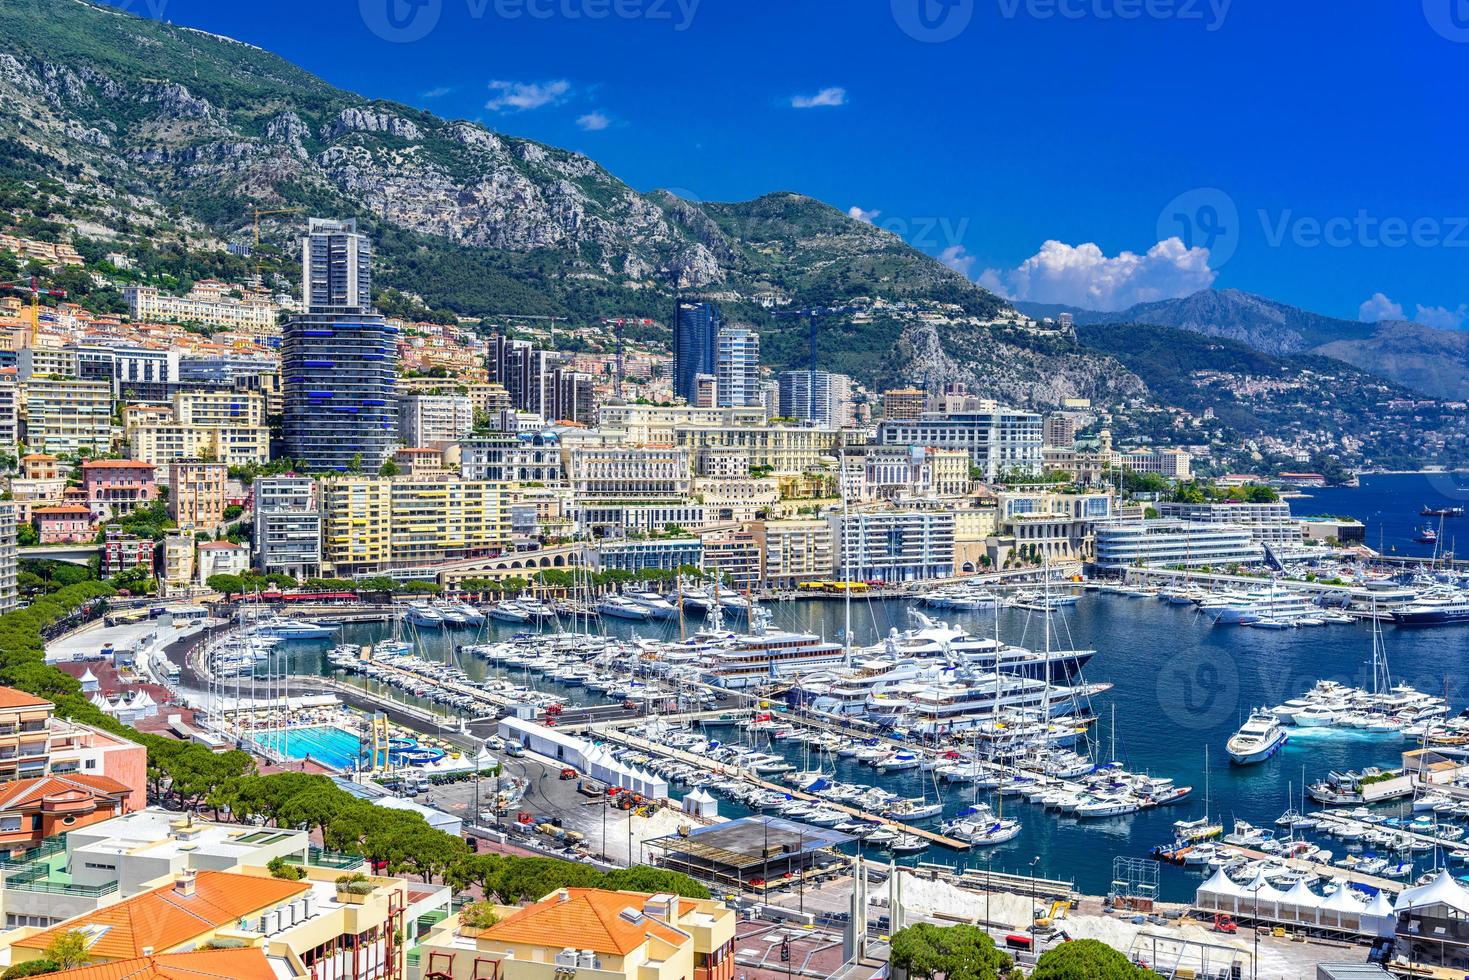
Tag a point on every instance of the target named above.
point(1379, 919)
point(1219, 893)
point(1342, 909)
point(1443, 890)
point(1260, 899)
point(1301, 904)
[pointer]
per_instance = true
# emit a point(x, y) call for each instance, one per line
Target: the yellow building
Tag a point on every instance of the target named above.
point(592, 934)
point(178, 561)
point(196, 495)
point(798, 551)
point(377, 524)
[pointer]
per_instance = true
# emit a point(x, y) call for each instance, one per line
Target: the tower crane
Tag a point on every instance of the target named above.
point(35, 293)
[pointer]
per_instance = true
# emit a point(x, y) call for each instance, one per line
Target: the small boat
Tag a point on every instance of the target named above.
point(1257, 740)
point(908, 844)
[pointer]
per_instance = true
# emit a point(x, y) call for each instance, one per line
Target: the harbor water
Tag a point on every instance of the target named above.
point(1181, 687)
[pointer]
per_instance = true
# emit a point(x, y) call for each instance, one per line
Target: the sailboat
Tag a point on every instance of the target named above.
point(1203, 828)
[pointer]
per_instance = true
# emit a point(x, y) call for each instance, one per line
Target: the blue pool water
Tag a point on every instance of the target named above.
point(330, 746)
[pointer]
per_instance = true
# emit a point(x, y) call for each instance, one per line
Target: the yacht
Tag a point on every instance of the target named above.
point(622, 607)
point(981, 828)
point(1270, 608)
point(295, 629)
point(1257, 740)
point(763, 655)
point(423, 614)
point(657, 606)
point(509, 611)
point(1433, 610)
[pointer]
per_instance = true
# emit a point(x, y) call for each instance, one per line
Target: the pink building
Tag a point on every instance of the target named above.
point(63, 525)
point(118, 486)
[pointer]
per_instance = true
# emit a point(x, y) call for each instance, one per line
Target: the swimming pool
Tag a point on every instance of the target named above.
point(326, 744)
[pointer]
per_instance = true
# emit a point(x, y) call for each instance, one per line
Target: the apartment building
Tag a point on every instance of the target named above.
point(221, 558)
point(777, 449)
point(636, 555)
point(205, 307)
point(1270, 524)
point(894, 546)
point(614, 518)
point(176, 571)
point(647, 473)
point(42, 466)
point(1051, 525)
point(736, 557)
point(997, 440)
point(118, 486)
point(219, 408)
point(67, 415)
point(524, 458)
point(1167, 543)
point(900, 404)
point(9, 411)
point(9, 557)
point(798, 551)
point(737, 499)
point(196, 495)
point(288, 531)
point(64, 523)
point(39, 807)
point(46, 362)
point(434, 421)
point(34, 742)
point(655, 424)
point(121, 551)
point(593, 935)
point(374, 524)
point(897, 472)
point(161, 444)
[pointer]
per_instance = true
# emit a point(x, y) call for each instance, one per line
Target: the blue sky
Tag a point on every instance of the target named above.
point(1315, 148)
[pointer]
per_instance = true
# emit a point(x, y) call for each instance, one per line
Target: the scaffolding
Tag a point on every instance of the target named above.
point(1172, 957)
point(1134, 883)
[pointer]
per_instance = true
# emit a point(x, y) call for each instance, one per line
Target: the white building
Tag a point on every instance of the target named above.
point(816, 396)
point(649, 473)
point(997, 440)
point(287, 525)
point(737, 368)
point(1165, 543)
point(434, 421)
point(1269, 524)
point(894, 546)
point(204, 307)
point(221, 558)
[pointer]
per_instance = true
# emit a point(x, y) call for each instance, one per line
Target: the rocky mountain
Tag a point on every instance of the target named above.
point(125, 128)
point(1433, 362)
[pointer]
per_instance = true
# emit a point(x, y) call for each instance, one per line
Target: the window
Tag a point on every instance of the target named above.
point(9, 823)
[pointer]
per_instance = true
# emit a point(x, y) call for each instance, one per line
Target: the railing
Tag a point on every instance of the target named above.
point(323, 858)
point(52, 845)
point(29, 881)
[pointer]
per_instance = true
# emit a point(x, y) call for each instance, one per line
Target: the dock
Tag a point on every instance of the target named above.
point(753, 779)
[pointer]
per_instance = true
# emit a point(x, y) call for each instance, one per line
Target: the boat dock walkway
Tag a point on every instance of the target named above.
point(754, 779)
point(1328, 818)
point(1315, 868)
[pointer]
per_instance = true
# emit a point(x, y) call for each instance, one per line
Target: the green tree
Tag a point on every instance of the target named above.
point(642, 878)
point(1086, 959)
point(67, 950)
point(30, 968)
point(959, 952)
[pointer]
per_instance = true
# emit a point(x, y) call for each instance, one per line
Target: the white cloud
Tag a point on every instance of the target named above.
point(833, 96)
point(1082, 275)
point(523, 96)
point(860, 214)
point(594, 122)
point(438, 93)
point(957, 259)
point(1379, 307)
point(1442, 317)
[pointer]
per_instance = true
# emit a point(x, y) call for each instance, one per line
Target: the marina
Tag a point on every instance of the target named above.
point(1176, 683)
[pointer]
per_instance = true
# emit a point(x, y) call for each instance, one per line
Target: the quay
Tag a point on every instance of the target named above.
point(1328, 818)
point(736, 772)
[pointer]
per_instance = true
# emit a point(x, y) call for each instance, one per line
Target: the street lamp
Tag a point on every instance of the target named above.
point(1034, 895)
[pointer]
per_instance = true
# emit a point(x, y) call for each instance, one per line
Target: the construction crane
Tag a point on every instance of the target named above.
point(258, 212)
point(36, 293)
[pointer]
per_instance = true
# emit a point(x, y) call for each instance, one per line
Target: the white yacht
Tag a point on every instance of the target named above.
point(1257, 740)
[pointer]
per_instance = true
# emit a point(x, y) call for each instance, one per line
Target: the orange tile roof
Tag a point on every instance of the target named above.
point(248, 963)
point(163, 919)
point(22, 792)
point(59, 511)
point(13, 698)
point(583, 918)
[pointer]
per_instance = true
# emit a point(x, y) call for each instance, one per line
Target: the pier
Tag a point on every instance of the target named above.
point(745, 775)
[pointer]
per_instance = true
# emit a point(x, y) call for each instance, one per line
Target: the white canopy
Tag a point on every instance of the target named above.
point(1378, 918)
point(1220, 885)
point(1443, 890)
point(1307, 904)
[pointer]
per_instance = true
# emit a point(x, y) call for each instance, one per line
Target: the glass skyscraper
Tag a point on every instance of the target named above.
point(338, 358)
point(695, 340)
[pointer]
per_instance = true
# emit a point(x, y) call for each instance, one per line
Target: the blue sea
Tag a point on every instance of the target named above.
point(1389, 504)
point(1181, 688)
